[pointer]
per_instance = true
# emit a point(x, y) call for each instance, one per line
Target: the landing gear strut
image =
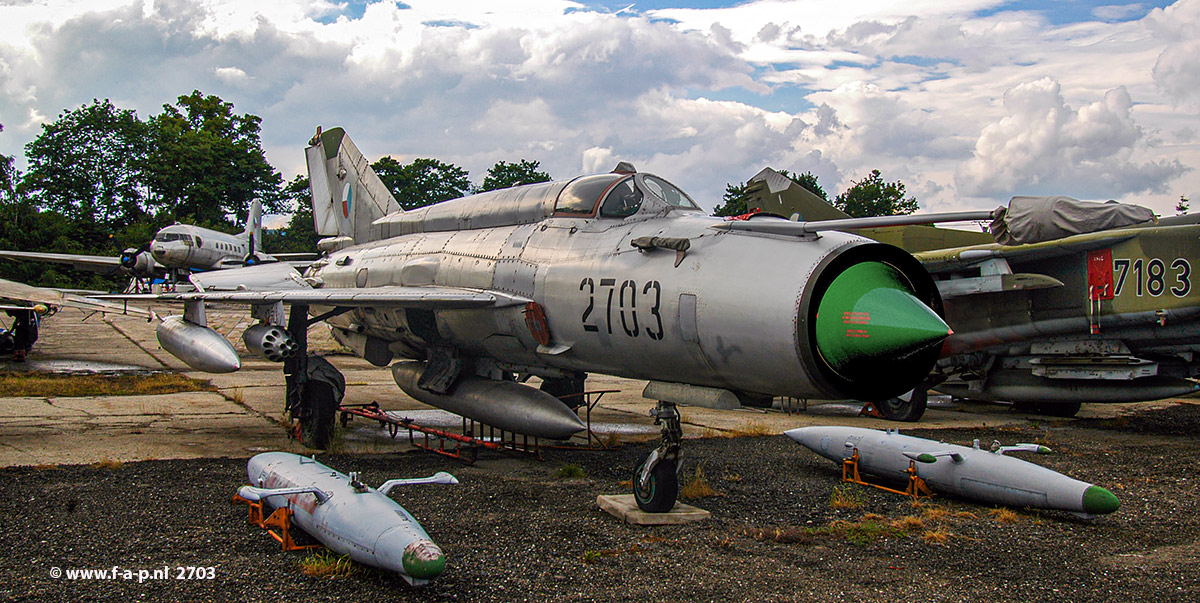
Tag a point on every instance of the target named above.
point(907, 407)
point(656, 480)
point(314, 387)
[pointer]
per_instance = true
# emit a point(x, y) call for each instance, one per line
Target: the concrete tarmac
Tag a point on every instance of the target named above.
point(245, 415)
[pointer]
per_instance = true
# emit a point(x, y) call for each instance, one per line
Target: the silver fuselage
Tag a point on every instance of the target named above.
point(611, 308)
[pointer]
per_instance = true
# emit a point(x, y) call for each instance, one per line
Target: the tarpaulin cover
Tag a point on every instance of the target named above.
point(1037, 219)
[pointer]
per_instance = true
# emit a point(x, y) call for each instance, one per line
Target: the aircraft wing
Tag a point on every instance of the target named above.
point(54, 297)
point(951, 260)
point(94, 263)
point(280, 282)
point(392, 296)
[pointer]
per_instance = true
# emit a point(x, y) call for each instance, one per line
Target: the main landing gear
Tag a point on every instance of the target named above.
point(314, 387)
point(656, 480)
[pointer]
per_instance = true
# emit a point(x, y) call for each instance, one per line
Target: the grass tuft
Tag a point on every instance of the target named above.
point(936, 537)
point(327, 564)
point(107, 464)
point(936, 513)
point(846, 496)
point(1004, 515)
point(570, 471)
point(698, 486)
point(14, 384)
point(909, 523)
point(591, 556)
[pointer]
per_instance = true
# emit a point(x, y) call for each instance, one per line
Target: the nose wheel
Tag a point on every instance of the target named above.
point(656, 480)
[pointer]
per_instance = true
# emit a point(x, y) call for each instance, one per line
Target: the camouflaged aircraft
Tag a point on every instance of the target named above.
point(1103, 316)
point(619, 273)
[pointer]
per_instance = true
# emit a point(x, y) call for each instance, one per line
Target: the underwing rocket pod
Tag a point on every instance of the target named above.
point(347, 516)
point(970, 472)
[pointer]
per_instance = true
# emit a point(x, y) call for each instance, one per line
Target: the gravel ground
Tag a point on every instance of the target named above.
point(513, 532)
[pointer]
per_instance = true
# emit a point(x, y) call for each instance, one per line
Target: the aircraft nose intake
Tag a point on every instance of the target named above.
point(423, 560)
point(869, 325)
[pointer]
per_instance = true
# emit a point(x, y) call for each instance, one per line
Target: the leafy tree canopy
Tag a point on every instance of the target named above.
point(871, 196)
point(300, 235)
point(88, 165)
point(208, 163)
point(505, 175)
point(8, 177)
point(735, 201)
point(422, 182)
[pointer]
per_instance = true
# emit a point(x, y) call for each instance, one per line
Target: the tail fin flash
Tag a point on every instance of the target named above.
point(347, 195)
point(773, 193)
point(254, 226)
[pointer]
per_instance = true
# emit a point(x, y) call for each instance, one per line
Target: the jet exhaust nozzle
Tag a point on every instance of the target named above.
point(270, 341)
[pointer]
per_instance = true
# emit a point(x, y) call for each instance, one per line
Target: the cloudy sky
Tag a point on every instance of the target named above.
point(967, 102)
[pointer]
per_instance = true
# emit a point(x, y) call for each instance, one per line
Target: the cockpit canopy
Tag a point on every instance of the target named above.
point(164, 237)
point(617, 195)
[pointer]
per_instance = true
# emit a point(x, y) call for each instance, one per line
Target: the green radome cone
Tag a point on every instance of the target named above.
point(869, 316)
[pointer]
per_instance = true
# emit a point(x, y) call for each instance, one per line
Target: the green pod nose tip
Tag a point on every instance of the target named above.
point(869, 318)
point(424, 560)
point(1098, 501)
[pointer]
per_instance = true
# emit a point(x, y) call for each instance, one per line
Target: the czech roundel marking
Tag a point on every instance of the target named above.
point(347, 198)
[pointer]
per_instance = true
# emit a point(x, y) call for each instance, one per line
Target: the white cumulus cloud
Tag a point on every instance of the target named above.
point(1044, 146)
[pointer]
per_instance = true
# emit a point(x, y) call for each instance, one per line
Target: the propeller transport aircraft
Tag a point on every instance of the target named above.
point(1078, 302)
point(176, 251)
point(617, 273)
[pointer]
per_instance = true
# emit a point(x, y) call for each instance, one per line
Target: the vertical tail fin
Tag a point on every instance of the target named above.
point(347, 195)
point(254, 227)
point(773, 193)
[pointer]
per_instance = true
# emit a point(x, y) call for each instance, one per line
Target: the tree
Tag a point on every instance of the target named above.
point(88, 165)
point(300, 235)
point(735, 201)
point(809, 181)
point(8, 177)
point(208, 164)
point(871, 196)
point(422, 182)
point(1181, 208)
point(505, 175)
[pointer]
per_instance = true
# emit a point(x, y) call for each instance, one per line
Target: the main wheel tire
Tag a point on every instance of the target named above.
point(899, 409)
point(661, 491)
point(317, 418)
point(1068, 409)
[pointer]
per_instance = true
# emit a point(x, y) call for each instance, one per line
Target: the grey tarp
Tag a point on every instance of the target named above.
point(1037, 219)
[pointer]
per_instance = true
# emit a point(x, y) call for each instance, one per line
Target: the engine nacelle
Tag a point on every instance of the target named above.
point(138, 262)
point(270, 342)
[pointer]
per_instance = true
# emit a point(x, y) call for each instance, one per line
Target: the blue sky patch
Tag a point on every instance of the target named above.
point(1062, 12)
